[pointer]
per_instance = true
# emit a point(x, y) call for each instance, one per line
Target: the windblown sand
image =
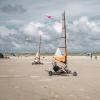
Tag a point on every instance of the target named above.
point(20, 80)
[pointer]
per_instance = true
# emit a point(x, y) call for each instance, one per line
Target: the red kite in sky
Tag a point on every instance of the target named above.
point(49, 17)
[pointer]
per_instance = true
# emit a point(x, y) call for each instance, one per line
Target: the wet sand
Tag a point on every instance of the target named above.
point(20, 80)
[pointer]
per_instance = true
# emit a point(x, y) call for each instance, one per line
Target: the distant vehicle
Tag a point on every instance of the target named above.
point(1, 55)
point(13, 54)
point(37, 57)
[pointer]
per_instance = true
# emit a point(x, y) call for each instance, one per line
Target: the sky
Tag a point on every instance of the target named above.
point(22, 22)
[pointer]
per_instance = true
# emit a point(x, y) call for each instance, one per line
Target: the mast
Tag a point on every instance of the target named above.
point(64, 32)
point(39, 47)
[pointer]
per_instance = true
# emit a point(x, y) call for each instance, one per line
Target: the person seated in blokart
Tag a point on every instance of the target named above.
point(58, 68)
point(36, 60)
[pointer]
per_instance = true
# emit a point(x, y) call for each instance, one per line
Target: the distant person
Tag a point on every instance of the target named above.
point(91, 56)
point(95, 57)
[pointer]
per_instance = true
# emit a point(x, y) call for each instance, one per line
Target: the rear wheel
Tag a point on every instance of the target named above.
point(32, 63)
point(74, 73)
point(50, 73)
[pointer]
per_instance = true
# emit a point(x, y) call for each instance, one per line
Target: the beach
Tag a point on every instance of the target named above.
point(20, 80)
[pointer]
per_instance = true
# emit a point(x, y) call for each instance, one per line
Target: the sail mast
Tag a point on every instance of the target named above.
point(39, 47)
point(64, 32)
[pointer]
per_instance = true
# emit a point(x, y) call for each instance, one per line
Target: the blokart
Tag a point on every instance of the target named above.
point(61, 70)
point(61, 54)
point(37, 62)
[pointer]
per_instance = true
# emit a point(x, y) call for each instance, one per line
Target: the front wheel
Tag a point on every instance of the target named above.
point(32, 63)
point(74, 73)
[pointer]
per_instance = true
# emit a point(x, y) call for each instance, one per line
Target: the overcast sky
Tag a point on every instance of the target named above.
point(21, 22)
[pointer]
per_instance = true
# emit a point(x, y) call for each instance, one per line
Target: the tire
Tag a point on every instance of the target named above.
point(32, 63)
point(50, 73)
point(74, 73)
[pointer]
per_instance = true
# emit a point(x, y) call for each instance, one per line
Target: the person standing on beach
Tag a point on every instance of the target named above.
point(95, 57)
point(91, 56)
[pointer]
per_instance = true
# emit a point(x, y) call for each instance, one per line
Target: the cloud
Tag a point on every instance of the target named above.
point(58, 27)
point(32, 29)
point(84, 34)
point(5, 32)
point(16, 45)
point(85, 26)
point(14, 21)
point(13, 9)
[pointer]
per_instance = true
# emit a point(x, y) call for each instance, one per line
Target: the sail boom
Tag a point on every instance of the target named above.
point(61, 47)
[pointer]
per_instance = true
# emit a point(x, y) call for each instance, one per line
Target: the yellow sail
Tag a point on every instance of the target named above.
point(61, 57)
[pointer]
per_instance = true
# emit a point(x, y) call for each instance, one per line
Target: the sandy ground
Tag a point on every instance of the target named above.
point(20, 80)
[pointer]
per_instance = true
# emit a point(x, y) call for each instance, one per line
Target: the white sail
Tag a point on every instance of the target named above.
point(37, 55)
point(58, 52)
